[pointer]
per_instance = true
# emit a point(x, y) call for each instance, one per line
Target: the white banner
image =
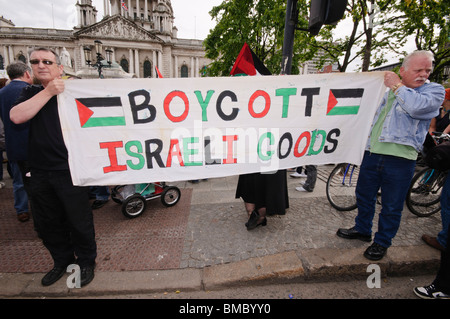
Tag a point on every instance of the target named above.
point(147, 130)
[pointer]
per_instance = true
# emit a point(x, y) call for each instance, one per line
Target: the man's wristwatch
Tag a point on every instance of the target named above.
point(395, 87)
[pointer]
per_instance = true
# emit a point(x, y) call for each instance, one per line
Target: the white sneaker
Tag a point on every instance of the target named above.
point(301, 189)
point(430, 292)
point(2, 184)
point(297, 175)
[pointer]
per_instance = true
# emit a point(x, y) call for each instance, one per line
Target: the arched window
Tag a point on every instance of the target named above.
point(22, 58)
point(125, 66)
point(2, 66)
point(147, 69)
point(184, 71)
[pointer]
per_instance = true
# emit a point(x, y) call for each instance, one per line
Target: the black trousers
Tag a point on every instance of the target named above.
point(63, 217)
point(442, 280)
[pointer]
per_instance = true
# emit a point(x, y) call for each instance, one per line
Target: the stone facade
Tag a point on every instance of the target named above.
point(140, 34)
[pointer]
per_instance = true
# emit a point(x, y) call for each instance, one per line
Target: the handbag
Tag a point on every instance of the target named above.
point(438, 157)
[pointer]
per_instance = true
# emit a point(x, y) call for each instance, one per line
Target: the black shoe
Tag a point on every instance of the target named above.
point(375, 252)
point(98, 203)
point(253, 221)
point(351, 233)
point(53, 276)
point(87, 274)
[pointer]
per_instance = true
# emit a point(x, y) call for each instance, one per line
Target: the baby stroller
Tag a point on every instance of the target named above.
point(133, 198)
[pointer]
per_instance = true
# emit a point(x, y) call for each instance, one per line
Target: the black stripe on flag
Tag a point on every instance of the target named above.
point(101, 101)
point(347, 93)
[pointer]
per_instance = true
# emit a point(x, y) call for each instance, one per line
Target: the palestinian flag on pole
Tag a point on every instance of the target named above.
point(247, 63)
point(344, 101)
point(100, 111)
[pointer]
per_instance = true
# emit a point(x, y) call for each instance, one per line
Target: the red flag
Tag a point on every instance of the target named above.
point(122, 3)
point(248, 63)
point(158, 73)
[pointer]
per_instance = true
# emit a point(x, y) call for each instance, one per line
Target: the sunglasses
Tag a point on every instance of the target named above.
point(46, 62)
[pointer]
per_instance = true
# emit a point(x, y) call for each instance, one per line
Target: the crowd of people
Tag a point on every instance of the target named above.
point(62, 213)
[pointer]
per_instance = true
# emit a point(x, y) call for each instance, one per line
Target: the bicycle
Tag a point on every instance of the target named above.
point(424, 194)
point(341, 185)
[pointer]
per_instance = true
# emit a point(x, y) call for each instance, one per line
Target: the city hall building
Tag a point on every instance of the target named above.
point(138, 35)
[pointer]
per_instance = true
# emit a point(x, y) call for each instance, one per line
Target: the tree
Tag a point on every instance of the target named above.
point(428, 21)
point(261, 25)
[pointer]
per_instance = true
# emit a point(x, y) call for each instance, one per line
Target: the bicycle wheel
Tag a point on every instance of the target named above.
point(341, 185)
point(424, 193)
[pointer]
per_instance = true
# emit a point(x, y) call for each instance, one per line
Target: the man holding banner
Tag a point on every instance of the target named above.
point(63, 216)
point(397, 134)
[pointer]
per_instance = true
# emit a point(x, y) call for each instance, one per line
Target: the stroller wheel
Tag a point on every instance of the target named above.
point(170, 196)
point(133, 206)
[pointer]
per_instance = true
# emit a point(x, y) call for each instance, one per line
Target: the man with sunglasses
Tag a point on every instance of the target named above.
point(63, 216)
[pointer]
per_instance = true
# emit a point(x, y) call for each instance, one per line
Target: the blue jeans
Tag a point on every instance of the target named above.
point(311, 177)
point(445, 212)
point(100, 192)
point(20, 194)
point(393, 175)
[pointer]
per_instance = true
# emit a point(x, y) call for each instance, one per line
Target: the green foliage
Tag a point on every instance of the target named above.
point(260, 23)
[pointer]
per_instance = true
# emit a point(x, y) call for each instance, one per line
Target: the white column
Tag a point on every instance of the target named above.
point(197, 68)
point(83, 61)
point(79, 16)
point(175, 67)
point(136, 63)
point(113, 55)
point(155, 63)
point(192, 68)
point(11, 54)
point(131, 64)
point(6, 55)
point(27, 53)
point(146, 10)
point(160, 64)
point(130, 9)
point(138, 10)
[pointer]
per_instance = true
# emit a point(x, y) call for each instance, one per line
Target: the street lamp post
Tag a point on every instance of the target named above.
point(98, 50)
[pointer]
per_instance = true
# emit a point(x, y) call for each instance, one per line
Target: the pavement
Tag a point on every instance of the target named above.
point(202, 244)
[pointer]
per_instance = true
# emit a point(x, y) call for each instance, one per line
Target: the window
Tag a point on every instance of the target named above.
point(147, 69)
point(125, 66)
point(22, 58)
point(184, 71)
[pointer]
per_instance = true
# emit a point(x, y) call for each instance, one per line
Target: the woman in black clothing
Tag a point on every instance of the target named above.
point(263, 194)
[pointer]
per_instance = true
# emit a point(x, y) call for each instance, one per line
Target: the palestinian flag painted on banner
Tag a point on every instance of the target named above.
point(100, 111)
point(247, 63)
point(344, 101)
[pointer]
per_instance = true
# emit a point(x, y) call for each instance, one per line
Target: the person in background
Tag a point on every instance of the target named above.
point(100, 194)
point(311, 178)
point(440, 287)
point(440, 242)
point(397, 135)
point(16, 135)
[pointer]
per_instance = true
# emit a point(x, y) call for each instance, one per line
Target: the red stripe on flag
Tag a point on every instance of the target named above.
point(332, 102)
point(244, 62)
